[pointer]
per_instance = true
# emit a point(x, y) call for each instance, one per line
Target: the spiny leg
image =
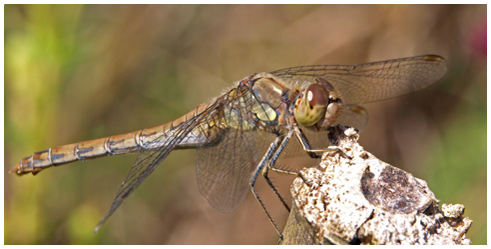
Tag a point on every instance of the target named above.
point(306, 147)
point(265, 170)
point(271, 185)
point(277, 169)
point(312, 152)
point(258, 169)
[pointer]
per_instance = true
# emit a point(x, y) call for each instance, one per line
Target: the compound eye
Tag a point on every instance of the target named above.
point(317, 95)
point(312, 107)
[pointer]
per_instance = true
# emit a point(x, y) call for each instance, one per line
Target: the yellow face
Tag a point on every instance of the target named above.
point(311, 108)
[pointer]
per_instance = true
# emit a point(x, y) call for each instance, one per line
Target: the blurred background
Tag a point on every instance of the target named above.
point(78, 72)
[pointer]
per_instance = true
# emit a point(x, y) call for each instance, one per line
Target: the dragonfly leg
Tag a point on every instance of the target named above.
point(277, 154)
point(271, 185)
point(271, 163)
point(259, 168)
point(306, 146)
point(305, 143)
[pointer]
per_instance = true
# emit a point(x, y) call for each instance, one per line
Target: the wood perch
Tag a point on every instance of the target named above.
point(362, 200)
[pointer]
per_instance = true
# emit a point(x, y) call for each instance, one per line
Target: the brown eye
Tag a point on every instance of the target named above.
point(317, 95)
point(312, 105)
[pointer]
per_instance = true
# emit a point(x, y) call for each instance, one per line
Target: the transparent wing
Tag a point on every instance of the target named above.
point(353, 116)
point(149, 159)
point(224, 169)
point(369, 82)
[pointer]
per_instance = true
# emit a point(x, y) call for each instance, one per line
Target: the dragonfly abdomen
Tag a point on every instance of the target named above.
point(151, 138)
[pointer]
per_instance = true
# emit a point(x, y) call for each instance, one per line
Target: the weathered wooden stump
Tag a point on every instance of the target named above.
point(358, 199)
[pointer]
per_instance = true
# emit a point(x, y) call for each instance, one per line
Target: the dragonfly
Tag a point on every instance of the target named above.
point(285, 103)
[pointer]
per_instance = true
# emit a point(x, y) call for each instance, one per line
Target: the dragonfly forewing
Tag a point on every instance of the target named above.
point(353, 116)
point(358, 84)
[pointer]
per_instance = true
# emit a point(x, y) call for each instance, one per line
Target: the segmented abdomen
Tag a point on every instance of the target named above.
point(151, 138)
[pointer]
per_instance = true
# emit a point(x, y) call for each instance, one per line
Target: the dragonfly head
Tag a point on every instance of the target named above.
point(319, 106)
